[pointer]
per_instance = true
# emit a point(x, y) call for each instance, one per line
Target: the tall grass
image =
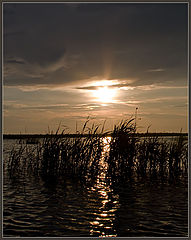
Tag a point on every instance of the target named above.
point(122, 152)
point(129, 156)
point(58, 156)
point(154, 157)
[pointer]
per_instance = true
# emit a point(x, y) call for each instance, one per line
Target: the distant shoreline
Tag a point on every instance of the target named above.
point(26, 136)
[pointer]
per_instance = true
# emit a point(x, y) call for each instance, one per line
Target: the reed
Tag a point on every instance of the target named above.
point(178, 157)
point(152, 155)
point(57, 156)
point(122, 150)
point(129, 156)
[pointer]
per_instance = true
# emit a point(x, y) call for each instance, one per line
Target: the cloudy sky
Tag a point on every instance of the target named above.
point(64, 62)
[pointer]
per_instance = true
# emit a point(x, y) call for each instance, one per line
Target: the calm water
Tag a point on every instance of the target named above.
point(34, 209)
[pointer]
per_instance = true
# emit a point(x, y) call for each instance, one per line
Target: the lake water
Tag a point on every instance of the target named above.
point(32, 208)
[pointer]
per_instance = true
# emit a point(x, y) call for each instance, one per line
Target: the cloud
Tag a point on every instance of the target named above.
point(88, 88)
point(156, 70)
point(67, 43)
point(7, 34)
point(120, 85)
point(16, 105)
point(15, 61)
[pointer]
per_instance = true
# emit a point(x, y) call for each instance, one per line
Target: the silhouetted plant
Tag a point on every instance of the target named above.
point(122, 150)
point(57, 156)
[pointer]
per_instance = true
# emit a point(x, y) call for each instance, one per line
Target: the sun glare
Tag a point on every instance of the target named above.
point(105, 94)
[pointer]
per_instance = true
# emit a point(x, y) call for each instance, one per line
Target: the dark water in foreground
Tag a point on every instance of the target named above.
point(35, 209)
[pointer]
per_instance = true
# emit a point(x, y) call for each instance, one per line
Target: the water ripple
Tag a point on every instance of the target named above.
point(69, 209)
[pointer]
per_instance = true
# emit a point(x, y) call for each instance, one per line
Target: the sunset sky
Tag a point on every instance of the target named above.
point(64, 62)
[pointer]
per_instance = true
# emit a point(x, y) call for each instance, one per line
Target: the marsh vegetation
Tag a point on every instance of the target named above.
point(127, 156)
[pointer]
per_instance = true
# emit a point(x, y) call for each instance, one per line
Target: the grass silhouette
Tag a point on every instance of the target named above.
point(79, 157)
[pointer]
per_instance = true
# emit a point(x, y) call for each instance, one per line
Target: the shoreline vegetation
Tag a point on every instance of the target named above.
point(129, 155)
point(74, 135)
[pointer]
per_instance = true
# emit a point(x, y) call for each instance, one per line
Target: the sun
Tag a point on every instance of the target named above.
point(104, 94)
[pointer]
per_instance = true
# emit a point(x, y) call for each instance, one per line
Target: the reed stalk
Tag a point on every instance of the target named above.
point(128, 156)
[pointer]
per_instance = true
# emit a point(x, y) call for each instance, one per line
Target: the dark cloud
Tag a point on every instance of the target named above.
point(120, 85)
point(8, 11)
point(13, 33)
point(14, 61)
point(114, 41)
point(88, 88)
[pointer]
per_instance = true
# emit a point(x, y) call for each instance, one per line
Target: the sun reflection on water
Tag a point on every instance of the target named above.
point(103, 225)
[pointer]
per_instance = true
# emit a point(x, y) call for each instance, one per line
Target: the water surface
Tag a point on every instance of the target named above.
point(32, 208)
